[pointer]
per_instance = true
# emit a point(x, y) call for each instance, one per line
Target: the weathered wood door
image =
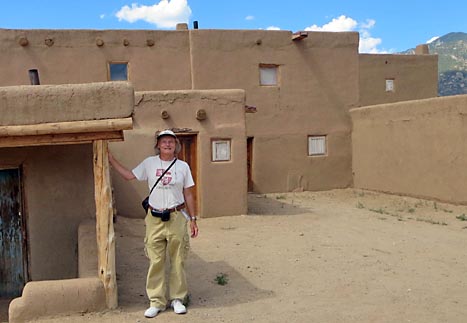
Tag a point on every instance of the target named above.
point(12, 237)
point(249, 147)
point(188, 154)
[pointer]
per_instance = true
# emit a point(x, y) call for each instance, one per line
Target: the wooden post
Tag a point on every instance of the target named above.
point(104, 222)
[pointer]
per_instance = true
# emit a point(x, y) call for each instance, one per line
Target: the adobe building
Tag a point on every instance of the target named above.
point(211, 127)
point(299, 88)
point(55, 196)
point(256, 110)
point(54, 177)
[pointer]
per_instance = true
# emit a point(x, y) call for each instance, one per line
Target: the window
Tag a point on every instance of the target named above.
point(268, 74)
point(389, 85)
point(316, 145)
point(221, 150)
point(118, 71)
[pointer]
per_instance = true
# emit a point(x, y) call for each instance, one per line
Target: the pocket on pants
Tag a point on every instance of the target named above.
point(146, 247)
point(186, 245)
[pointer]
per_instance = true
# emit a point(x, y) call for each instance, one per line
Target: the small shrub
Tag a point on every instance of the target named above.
point(462, 217)
point(360, 205)
point(419, 203)
point(431, 221)
point(380, 210)
point(221, 279)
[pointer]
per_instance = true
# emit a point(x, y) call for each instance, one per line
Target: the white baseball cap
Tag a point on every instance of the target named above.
point(166, 132)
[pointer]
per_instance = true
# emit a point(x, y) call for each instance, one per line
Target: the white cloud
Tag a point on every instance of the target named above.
point(342, 23)
point(102, 16)
point(273, 28)
point(165, 14)
point(368, 44)
point(432, 39)
point(249, 17)
point(370, 23)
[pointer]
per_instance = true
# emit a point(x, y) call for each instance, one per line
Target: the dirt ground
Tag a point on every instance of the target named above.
point(335, 256)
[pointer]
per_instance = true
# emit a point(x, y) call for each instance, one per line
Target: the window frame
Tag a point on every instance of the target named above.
point(277, 74)
point(392, 83)
point(109, 74)
point(325, 145)
point(213, 149)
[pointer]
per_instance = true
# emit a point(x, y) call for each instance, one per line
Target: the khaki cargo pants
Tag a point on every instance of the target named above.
point(161, 238)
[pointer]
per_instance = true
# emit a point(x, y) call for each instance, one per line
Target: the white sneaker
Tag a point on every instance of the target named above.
point(178, 306)
point(152, 312)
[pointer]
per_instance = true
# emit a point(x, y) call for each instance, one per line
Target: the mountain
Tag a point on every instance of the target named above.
point(452, 63)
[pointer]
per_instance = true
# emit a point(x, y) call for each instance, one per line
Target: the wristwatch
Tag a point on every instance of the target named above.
point(193, 218)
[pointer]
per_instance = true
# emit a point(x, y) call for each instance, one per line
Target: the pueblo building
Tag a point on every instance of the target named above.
point(256, 110)
point(261, 111)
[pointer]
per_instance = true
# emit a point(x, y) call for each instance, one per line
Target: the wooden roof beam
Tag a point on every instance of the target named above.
point(299, 35)
point(68, 127)
point(59, 139)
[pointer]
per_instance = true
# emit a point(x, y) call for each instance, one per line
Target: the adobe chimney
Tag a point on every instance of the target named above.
point(422, 49)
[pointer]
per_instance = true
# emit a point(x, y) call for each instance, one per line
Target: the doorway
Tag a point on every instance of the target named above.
point(13, 251)
point(188, 153)
point(249, 154)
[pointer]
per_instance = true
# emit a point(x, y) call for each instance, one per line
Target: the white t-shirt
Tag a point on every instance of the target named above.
point(169, 191)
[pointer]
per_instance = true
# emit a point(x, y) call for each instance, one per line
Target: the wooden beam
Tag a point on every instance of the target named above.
point(299, 35)
point(67, 127)
point(250, 109)
point(104, 223)
point(59, 139)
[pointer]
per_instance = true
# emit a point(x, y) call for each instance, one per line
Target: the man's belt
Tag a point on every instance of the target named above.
point(177, 208)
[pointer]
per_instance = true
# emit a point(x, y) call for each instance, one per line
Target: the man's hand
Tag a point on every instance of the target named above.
point(194, 228)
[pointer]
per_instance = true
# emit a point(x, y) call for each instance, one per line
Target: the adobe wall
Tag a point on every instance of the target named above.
point(58, 187)
point(36, 104)
point(58, 180)
point(318, 84)
point(75, 57)
point(413, 148)
point(57, 297)
point(221, 186)
point(415, 77)
point(321, 77)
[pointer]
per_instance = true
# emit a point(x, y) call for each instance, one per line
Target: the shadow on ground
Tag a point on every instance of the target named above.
point(261, 204)
point(132, 268)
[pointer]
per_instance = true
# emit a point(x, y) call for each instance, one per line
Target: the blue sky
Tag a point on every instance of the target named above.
point(384, 26)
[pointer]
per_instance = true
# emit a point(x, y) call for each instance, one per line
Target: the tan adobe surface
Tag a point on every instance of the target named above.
point(310, 257)
point(416, 148)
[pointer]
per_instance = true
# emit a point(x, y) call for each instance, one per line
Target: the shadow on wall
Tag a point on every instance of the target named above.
point(4, 302)
point(260, 204)
point(132, 267)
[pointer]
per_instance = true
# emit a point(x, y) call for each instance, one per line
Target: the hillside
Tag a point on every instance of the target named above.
point(452, 62)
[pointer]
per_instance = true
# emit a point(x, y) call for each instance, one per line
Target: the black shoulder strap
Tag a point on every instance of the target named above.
point(157, 182)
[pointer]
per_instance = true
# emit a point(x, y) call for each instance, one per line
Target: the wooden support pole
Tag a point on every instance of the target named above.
point(104, 223)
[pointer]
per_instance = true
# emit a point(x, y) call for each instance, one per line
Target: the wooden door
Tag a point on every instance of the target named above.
point(13, 253)
point(249, 147)
point(188, 154)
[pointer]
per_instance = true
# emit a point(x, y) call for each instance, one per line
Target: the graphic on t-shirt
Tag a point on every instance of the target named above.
point(167, 177)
